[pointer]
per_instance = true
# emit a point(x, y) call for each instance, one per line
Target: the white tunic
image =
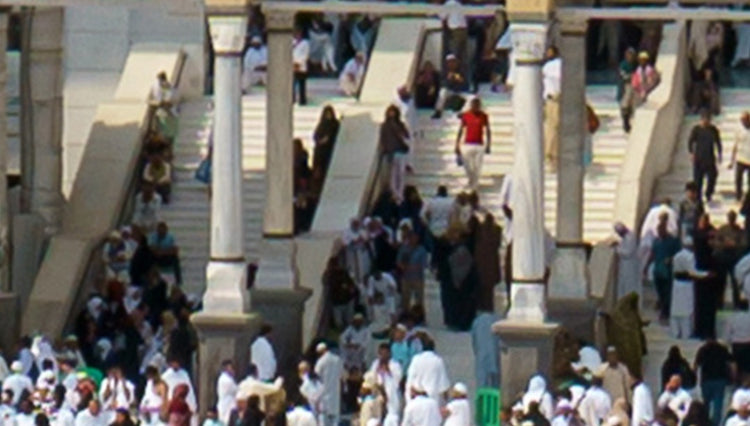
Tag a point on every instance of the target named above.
point(226, 393)
point(643, 405)
point(351, 77)
point(422, 411)
point(537, 392)
point(85, 418)
point(22, 419)
point(173, 378)
point(312, 390)
point(330, 369)
point(390, 380)
point(264, 358)
point(651, 222)
point(677, 401)
point(459, 413)
point(437, 213)
point(427, 372)
point(595, 406)
point(736, 420)
point(300, 417)
point(682, 290)
point(121, 394)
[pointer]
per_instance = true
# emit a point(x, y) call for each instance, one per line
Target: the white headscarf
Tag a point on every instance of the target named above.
point(95, 306)
point(535, 392)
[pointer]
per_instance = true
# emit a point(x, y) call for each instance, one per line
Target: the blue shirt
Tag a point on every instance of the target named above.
point(166, 242)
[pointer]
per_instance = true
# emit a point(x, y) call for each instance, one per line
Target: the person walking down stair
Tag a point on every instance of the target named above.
point(741, 155)
point(475, 127)
point(704, 145)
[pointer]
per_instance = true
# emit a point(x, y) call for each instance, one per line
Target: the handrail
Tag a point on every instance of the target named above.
point(95, 266)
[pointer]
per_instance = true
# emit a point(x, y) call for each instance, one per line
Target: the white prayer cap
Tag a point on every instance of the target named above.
point(372, 422)
point(611, 349)
point(460, 389)
point(321, 347)
point(256, 39)
point(450, 57)
point(115, 235)
point(127, 229)
point(104, 344)
point(358, 316)
point(687, 241)
point(16, 366)
point(614, 421)
point(527, 423)
point(401, 327)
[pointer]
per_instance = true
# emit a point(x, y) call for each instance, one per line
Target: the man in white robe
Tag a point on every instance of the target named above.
point(93, 416)
point(115, 391)
point(643, 403)
point(226, 392)
point(742, 274)
point(628, 263)
point(458, 411)
point(331, 370)
point(427, 372)
point(351, 76)
point(683, 303)
point(536, 392)
point(595, 404)
point(7, 409)
point(17, 382)
point(649, 228)
point(26, 415)
point(742, 414)
point(675, 398)
point(615, 376)
point(388, 374)
point(263, 355)
point(311, 387)
point(421, 410)
point(300, 416)
point(254, 64)
point(175, 376)
point(356, 343)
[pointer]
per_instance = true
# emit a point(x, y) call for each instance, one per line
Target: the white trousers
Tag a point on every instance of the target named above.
point(252, 78)
point(398, 174)
point(473, 156)
point(680, 327)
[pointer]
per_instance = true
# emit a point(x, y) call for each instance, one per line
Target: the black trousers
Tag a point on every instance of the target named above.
point(702, 171)
point(300, 85)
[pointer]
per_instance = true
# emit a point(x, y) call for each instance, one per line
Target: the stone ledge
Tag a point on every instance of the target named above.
point(223, 322)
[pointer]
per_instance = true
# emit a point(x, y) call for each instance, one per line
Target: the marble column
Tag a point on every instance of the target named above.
point(43, 195)
point(225, 327)
point(527, 198)
point(528, 339)
point(278, 213)
point(568, 278)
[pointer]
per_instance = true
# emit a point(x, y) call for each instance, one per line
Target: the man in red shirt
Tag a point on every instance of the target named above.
point(474, 125)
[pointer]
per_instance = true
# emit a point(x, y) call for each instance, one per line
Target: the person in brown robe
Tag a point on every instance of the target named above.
point(487, 242)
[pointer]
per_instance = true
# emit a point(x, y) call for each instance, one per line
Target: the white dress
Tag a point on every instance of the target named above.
point(226, 393)
point(330, 369)
point(427, 372)
point(264, 358)
point(628, 267)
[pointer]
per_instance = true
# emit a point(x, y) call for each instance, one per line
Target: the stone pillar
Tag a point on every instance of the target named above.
point(4, 226)
point(568, 279)
point(276, 294)
point(44, 195)
point(225, 326)
point(528, 339)
point(527, 198)
point(278, 213)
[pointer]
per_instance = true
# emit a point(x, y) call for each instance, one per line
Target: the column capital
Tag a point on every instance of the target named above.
point(573, 25)
point(529, 10)
point(529, 42)
point(228, 34)
point(279, 20)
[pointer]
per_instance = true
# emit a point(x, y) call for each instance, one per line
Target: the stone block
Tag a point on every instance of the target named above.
point(528, 349)
point(575, 315)
point(220, 337)
point(569, 274)
point(144, 62)
point(226, 284)
point(283, 309)
point(91, 19)
point(96, 51)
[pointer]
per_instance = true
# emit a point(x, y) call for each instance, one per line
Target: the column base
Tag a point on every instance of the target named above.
point(576, 316)
point(226, 288)
point(284, 310)
point(276, 268)
point(9, 332)
point(527, 302)
point(528, 350)
point(220, 337)
point(569, 273)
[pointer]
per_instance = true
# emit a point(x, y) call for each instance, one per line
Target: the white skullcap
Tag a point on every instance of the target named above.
point(401, 327)
point(564, 404)
point(450, 57)
point(47, 375)
point(687, 240)
point(321, 347)
point(16, 366)
point(460, 388)
point(256, 39)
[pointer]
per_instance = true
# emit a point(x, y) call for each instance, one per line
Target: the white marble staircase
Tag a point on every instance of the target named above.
point(435, 162)
point(188, 213)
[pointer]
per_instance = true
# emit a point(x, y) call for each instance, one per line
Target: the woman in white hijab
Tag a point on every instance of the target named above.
point(537, 392)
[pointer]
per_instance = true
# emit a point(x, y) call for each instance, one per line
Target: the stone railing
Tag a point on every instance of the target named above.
point(101, 195)
point(655, 131)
